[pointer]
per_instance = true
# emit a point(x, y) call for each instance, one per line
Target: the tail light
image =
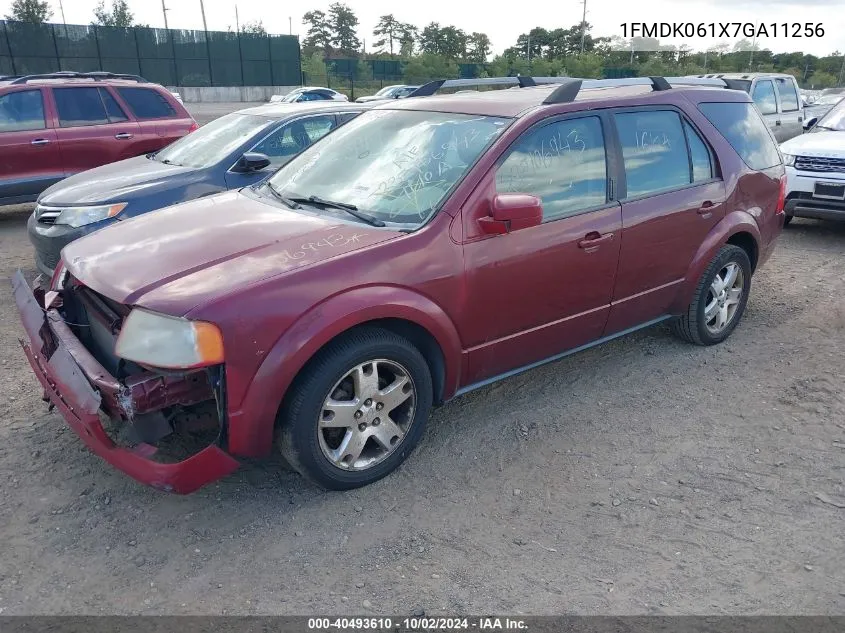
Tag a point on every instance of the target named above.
point(781, 195)
point(194, 127)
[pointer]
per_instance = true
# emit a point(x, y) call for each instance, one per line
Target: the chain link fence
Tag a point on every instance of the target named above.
point(166, 56)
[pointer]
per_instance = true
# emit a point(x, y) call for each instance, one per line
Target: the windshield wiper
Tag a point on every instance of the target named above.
point(351, 209)
point(292, 203)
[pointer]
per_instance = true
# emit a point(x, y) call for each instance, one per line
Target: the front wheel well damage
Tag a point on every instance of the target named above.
point(747, 243)
point(419, 337)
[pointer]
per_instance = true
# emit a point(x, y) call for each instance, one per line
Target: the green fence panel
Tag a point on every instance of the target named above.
point(31, 40)
point(80, 64)
point(254, 47)
point(224, 46)
point(154, 43)
point(36, 65)
point(226, 72)
point(190, 44)
point(75, 41)
point(118, 65)
point(117, 43)
point(169, 57)
point(257, 73)
point(161, 71)
point(192, 72)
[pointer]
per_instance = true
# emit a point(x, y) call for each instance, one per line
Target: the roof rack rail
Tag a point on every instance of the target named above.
point(69, 74)
point(569, 87)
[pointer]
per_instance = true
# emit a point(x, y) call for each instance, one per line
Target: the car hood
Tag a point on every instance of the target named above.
point(115, 182)
point(189, 254)
point(371, 98)
point(825, 144)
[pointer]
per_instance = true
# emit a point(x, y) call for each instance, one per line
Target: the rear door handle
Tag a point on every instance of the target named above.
point(123, 135)
point(40, 141)
point(593, 240)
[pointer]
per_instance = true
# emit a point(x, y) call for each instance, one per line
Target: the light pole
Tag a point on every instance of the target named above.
point(583, 26)
point(62, 9)
point(290, 26)
point(164, 10)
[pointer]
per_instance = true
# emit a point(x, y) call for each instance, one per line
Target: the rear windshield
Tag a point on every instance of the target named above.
point(743, 127)
point(146, 103)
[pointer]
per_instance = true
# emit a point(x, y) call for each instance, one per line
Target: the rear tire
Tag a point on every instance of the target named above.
point(357, 410)
point(787, 220)
point(720, 299)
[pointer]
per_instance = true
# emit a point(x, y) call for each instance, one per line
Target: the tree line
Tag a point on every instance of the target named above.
point(117, 15)
point(434, 50)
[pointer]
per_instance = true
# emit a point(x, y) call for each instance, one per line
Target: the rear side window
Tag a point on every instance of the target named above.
point(764, 97)
point(788, 96)
point(294, 137)
point(80, 106)
point(23, 110)
point(563, 163)
point(146, 103)
point(742, 127)
point(654, 150)
point(702, 166)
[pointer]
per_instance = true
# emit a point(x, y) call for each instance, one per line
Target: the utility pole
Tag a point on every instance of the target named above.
point(751, 59)
point(290, 26)
point(62, 9)
point(528, 48)
point(237, 21)
point(164, 10)
point(202, 10)
point(583, 26)
point(842, 72)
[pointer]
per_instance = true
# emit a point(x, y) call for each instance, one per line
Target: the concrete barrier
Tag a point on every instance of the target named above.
point(229, 94)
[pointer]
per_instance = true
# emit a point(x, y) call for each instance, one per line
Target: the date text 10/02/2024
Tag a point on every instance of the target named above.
point(417, 624)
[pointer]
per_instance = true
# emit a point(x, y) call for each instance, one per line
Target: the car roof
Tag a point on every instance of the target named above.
point(74, 81)
point(748, 76)
point(513, 102)
point(285, 110)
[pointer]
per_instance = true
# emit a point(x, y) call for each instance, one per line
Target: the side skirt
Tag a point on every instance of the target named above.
point(551, 359)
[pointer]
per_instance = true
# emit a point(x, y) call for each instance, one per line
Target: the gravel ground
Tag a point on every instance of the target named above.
point(646, 476)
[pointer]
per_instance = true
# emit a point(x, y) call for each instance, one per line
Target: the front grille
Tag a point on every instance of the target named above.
point(819, 163)
point(46, 215)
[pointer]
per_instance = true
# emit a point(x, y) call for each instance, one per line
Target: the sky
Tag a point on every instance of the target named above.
point(503, 26)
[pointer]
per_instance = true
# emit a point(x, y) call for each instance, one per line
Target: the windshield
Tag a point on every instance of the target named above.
point(213, 141)
point(385, 91)
point(395, 165)
point(833, 120)
point(828, 100)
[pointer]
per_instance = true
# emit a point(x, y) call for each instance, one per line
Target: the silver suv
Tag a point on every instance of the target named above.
point(776, 96)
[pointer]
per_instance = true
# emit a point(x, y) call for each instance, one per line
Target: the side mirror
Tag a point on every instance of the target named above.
point(810, 122)
point(511, 212)
point(251, 161)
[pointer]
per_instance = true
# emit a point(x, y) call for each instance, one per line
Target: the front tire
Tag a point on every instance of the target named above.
point(720, 299)
point(357, 410)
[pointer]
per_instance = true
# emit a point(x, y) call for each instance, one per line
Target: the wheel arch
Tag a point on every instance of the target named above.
point(398, 310)
point(738, 228)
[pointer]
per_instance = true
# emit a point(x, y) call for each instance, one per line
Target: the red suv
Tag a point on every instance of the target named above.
point(431, 246)
point(55, 125)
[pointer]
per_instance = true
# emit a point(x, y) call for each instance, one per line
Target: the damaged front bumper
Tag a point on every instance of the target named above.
point(83, 392)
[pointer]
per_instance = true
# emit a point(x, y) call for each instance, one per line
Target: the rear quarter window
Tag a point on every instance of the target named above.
point(743, 127)
point(147, 103)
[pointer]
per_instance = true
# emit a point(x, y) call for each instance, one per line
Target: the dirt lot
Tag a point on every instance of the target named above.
point(645, 476)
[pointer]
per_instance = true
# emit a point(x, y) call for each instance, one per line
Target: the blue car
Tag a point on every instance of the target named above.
point(234, 151)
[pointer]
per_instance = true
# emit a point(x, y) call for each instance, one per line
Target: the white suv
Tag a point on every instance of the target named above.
point(815, 169)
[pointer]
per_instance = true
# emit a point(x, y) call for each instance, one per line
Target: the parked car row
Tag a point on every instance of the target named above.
point(425, 248)
point(53, 126)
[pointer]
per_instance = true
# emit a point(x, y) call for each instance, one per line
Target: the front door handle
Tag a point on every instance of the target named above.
point(40, 141)
point(706, 209)
point(777, 122)
point(123, 135)
point(593, 240)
